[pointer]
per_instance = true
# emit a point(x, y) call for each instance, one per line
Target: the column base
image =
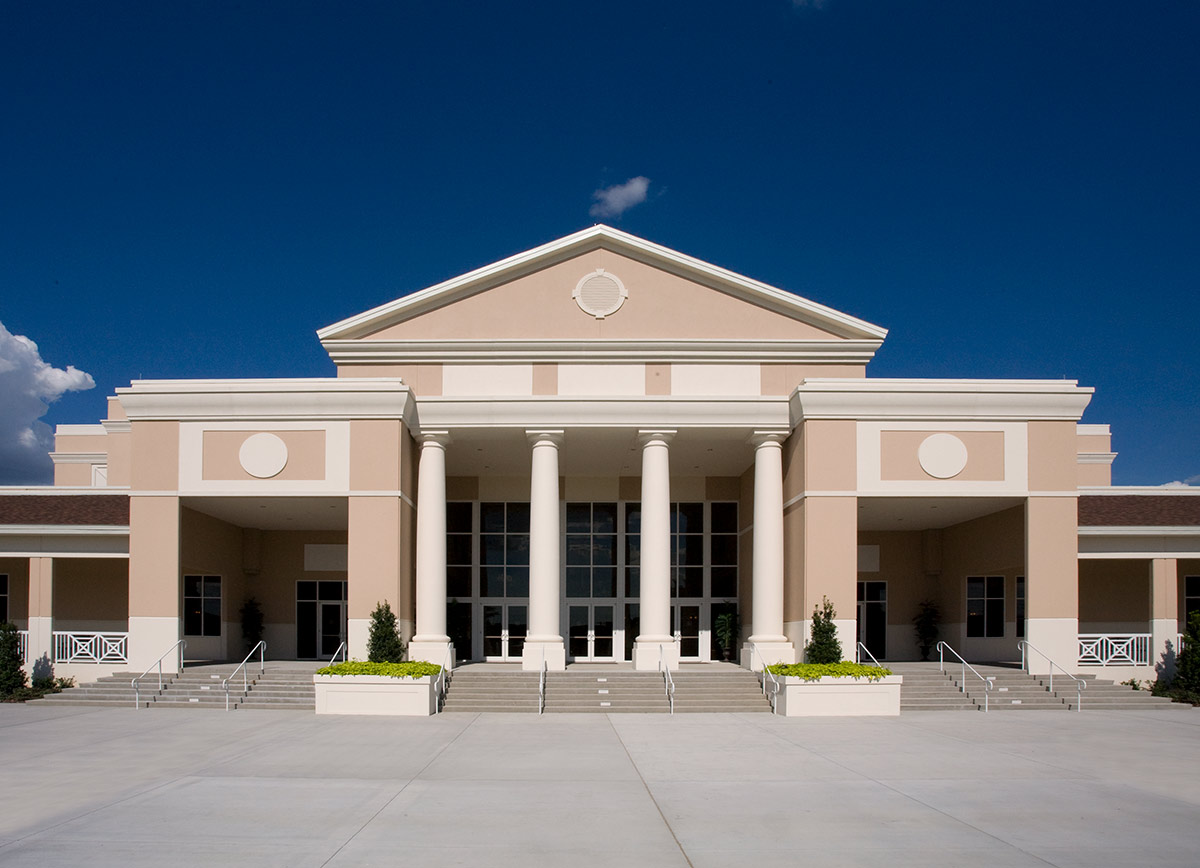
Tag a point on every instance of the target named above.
point(1164, 645)
point(40, 648)
point(773, 652)
point(431, 650)
point(556, 655)
point(1056, 638)
point(648, 658)
point(149, 639)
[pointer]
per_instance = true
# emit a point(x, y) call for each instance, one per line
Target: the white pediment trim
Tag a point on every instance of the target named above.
point(769, 297)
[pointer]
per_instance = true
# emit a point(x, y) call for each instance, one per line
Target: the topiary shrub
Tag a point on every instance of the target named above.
point(383, 642)
point(252, 622)
point(1187, 664)
point(12, 675)
point(415, 669)
point(823, 646)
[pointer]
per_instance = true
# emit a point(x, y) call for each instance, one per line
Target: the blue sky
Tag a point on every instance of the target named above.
point(1013, 189)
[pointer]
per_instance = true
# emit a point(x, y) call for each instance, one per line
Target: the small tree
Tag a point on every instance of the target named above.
point(12, 675)
point(1187, 664)
point(926, 623)
point(383, 642)
point(824, 646)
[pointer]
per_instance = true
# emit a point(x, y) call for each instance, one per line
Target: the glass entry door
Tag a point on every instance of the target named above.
point(505, 626)
point(590, 631)
point(320, 618)
point(687, 630)
point(872, 617)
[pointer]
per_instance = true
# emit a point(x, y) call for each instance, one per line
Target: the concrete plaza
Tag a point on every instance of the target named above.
point(190, 788)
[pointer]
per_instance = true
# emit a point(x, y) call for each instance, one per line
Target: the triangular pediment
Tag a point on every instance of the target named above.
point(648, 293)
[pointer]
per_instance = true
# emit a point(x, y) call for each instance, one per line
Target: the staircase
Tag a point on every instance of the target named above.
point(606, 689)
point(197, 687)
point(925, 688)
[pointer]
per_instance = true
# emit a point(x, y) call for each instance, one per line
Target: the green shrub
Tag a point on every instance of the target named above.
point(843, 669)
point(12, 675)
point(1185, 686)
point(824, 646)
point(411, 669)
point(383, 642)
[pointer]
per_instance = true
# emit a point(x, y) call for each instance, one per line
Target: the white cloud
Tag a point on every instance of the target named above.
point(28, 385)
point(616, 200)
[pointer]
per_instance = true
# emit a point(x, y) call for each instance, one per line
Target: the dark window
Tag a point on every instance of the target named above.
point(591, 553)
point(202, 605)
point(1020, 607)
point(985, 606)
point(503, 550)
point(3, 598)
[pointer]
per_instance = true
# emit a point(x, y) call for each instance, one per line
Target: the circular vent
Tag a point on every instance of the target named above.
point(599, 294)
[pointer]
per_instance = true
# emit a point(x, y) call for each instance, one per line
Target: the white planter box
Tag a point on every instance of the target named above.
point(839, 697)
point(375, 694)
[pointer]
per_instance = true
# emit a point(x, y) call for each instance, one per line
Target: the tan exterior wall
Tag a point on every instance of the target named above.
point(1112, 593)
point(828, 535)
point(1095, 474)
point(1093, 443)
point(783, 379)
point(660, 305)
point(87, 590)
point(658, 379)
point(17, 570)
point(793, 465)
point(41, 587)
point(901, 566)
point(1052, 451)
point(282, 566)
point(73, 474)
point(375, 454)
point(305, 458)
point(899, 455)
point(993, 545)
point(830, 455)
point(1052, 557)
point(156, 445)
point(462, 488)
point(154, 531)
point(375, 556)
point(120, 457)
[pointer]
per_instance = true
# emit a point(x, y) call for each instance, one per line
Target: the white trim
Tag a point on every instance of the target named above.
point(79, 457)
point(512, 267)
point(64, 530)
point(39, 491)
point(511, 351)
point(1095, 458)
point(1139, 530)
point(90, 430)
point(191, 459)
point(553, 411)
point(1141, 490)
point(1016, 460)
point(938, 400)
point(304, 400)
point(116, 426)
point(1091, 430)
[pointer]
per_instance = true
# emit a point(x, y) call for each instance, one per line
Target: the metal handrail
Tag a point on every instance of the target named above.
point(774, 697)
point(858, 652)
point(261, 648)
point(137, 695)
point(439, 685)
point(542, 683)
point(987, 683)
point(1080, 684)
point(341, 649)
point(668, 681)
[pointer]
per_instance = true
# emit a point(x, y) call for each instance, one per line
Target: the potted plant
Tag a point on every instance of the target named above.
point(926, 623)
point(725, 626)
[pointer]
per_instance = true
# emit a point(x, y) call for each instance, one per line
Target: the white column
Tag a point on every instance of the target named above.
point(770, 645)
point(430, 642)
point(656, 556)
point(41, 614)
point(544, 640)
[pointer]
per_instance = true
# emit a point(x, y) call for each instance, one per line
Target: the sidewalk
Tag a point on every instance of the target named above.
point(193, 788)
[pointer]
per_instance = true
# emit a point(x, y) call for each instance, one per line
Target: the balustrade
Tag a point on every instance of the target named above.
point(77, 647)
point(1114, 649)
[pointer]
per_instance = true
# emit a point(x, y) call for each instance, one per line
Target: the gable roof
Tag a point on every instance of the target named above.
point(753, 291)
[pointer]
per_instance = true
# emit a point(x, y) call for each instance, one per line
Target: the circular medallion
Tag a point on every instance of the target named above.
point(263, 455)
point(942, 456)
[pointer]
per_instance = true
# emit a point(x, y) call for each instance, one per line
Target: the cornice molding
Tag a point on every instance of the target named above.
point(79, 457)
point(369, 352)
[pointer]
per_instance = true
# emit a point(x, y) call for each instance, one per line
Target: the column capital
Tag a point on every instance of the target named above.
point(542, 435)
point(768, 438)
point(651, 435)
point(434, 438)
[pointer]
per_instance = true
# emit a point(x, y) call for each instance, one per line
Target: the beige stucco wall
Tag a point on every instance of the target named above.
point(17, 570)
point(154, 556)
point(120, 456)
point(73, 474)
point(899, 458)
point(88, 590)
point(375, 556)
point(993, 545)
point(376, 447)
point(821, 557)
point(1052, 557)
point(901, 566)
point(1052, 451)
point(1114, 595)
point(305, 454)
point(830, 455)
point(660, 305)
point(1095, 474)
point(156, 445)
point(783, 379)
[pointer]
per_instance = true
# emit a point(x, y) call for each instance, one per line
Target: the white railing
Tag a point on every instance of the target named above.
point(135, 683)
point(1114, 649)
point(76, 647)
point(542, 683)
point(341, 649)
point(1080, 684)
point(668, 681)
point(860, 651)
point(942, 647)
point(773, 697)
point(441, 682)
point(261, 648)
point(23, 644)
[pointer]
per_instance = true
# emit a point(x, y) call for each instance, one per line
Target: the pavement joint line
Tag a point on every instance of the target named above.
point(396, 794)
point(649, 793)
